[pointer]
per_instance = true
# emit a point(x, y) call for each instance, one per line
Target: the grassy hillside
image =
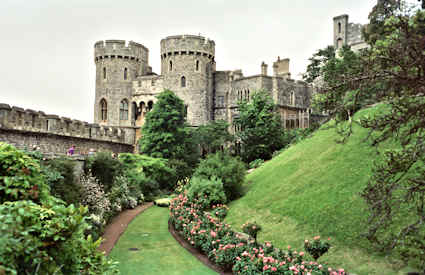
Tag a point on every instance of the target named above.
point(312, 189)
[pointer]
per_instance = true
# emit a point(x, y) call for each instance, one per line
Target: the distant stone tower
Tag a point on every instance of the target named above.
point(117, 65)
point(187, 67)
point(340, 31)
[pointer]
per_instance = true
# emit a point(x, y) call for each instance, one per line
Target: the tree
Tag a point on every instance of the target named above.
point(391, 71)
point(165, 133)
point(260, 132)
point(213, 136)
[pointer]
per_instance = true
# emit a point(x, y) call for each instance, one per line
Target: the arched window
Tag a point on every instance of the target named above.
point(125, 73)
point(124, 110)
point(103, 110)
point(150, 105)
point(197, 65)
point(183, 81)
point(339, 27)
point(104, 73)
point(292, 98)
point(170, 67)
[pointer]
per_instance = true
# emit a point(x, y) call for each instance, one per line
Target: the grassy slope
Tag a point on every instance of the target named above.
point(313, 189)
point(158, 252)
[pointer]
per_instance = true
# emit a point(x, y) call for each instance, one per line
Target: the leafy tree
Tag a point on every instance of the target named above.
point(165, 133)
point(260, 132)
point(318, 59)
point(213, 135)
point(391, 71)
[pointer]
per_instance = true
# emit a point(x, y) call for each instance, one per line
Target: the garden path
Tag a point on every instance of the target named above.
point(118, 225)
point(147, 247)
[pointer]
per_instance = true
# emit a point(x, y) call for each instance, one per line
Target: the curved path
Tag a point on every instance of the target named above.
point(118, 225)
point(147, 247)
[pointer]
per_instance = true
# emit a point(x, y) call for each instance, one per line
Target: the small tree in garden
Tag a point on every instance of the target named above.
point(252, 229)
point(260, 132)
point(317, 247)
point(213, 136)
point(165, 133)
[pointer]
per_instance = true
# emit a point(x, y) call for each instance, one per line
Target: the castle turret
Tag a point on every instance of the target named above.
point(340, 31)
point(281, 68)
point(117, 65)
point(187, 66)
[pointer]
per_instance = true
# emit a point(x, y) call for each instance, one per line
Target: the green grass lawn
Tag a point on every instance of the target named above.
point(158, 252)
point(311, 189)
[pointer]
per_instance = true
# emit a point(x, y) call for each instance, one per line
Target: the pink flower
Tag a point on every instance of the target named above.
point(301, 254)
point(306, 241)
point(266, 267)
point(289, 247)
point(274, 269)
point(317, 238)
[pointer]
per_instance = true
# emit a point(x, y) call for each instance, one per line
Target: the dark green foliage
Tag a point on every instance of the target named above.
point(256, 163)
point(213, 136)
point(252, 229)
point(140, 183)
point(38, 233)
point(104, 167)
point(316, 248)
point(318, 59)
point(20, 177)
point(260, 130)
point(156, 169)
point(206, 192)
point(62, 181)
point(230, 170)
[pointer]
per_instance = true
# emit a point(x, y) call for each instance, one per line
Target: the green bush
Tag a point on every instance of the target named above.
point(157, 169)
point(230, 170)
point(206, 192)
point(38, 233)
point(105, 168)
point(139, 184)
point(65, 186)
point(20, 177)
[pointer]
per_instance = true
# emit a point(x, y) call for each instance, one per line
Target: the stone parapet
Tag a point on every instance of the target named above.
point(15, 118)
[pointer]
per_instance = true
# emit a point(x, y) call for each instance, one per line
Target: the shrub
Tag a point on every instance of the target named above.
point(252, 229)
point(104, 167)
point(156, 169)
point(65, 186)
point(206, 192)
point(230, 170)
point(220, 211)
point(20, 177)
point(38, 233)
point(94, 198)
point(140, 184)
point(317, 247)
point(256, 163)
point(49, 240)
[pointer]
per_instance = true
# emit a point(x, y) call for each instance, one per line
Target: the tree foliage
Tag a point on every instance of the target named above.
point(391, 71)
point(213, 136)
point(260, 131)
point(165, 133)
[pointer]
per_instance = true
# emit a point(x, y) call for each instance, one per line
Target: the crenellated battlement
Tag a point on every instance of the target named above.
point(187, 44)
point(15, 118)
point(120, 49)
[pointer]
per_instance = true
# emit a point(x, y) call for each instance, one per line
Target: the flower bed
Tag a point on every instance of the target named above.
point(226, 248)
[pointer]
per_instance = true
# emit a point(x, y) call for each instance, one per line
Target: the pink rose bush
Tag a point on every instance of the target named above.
point(228, 249)
point(317, 247)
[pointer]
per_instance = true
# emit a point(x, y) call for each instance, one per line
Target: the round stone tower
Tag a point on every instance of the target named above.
point(187, 67)
point(117, 65)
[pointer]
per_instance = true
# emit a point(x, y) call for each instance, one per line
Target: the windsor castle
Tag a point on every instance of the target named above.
point(126, 90)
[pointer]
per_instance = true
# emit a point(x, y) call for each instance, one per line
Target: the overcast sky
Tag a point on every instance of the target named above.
point(46, 46)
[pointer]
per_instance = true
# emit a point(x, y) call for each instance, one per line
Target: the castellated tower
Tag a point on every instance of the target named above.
point(117, 65)
point(340, 31)
point(187, 67)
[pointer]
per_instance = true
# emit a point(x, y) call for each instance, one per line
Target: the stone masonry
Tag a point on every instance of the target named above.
point(188, 68)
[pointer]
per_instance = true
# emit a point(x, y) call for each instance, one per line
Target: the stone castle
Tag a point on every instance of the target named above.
point(126, 87)
point(126, 90)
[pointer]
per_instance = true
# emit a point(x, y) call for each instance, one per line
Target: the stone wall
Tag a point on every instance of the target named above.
point(54, 134)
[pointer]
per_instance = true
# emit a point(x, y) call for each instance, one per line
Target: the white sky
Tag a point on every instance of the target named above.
point(46, 46)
